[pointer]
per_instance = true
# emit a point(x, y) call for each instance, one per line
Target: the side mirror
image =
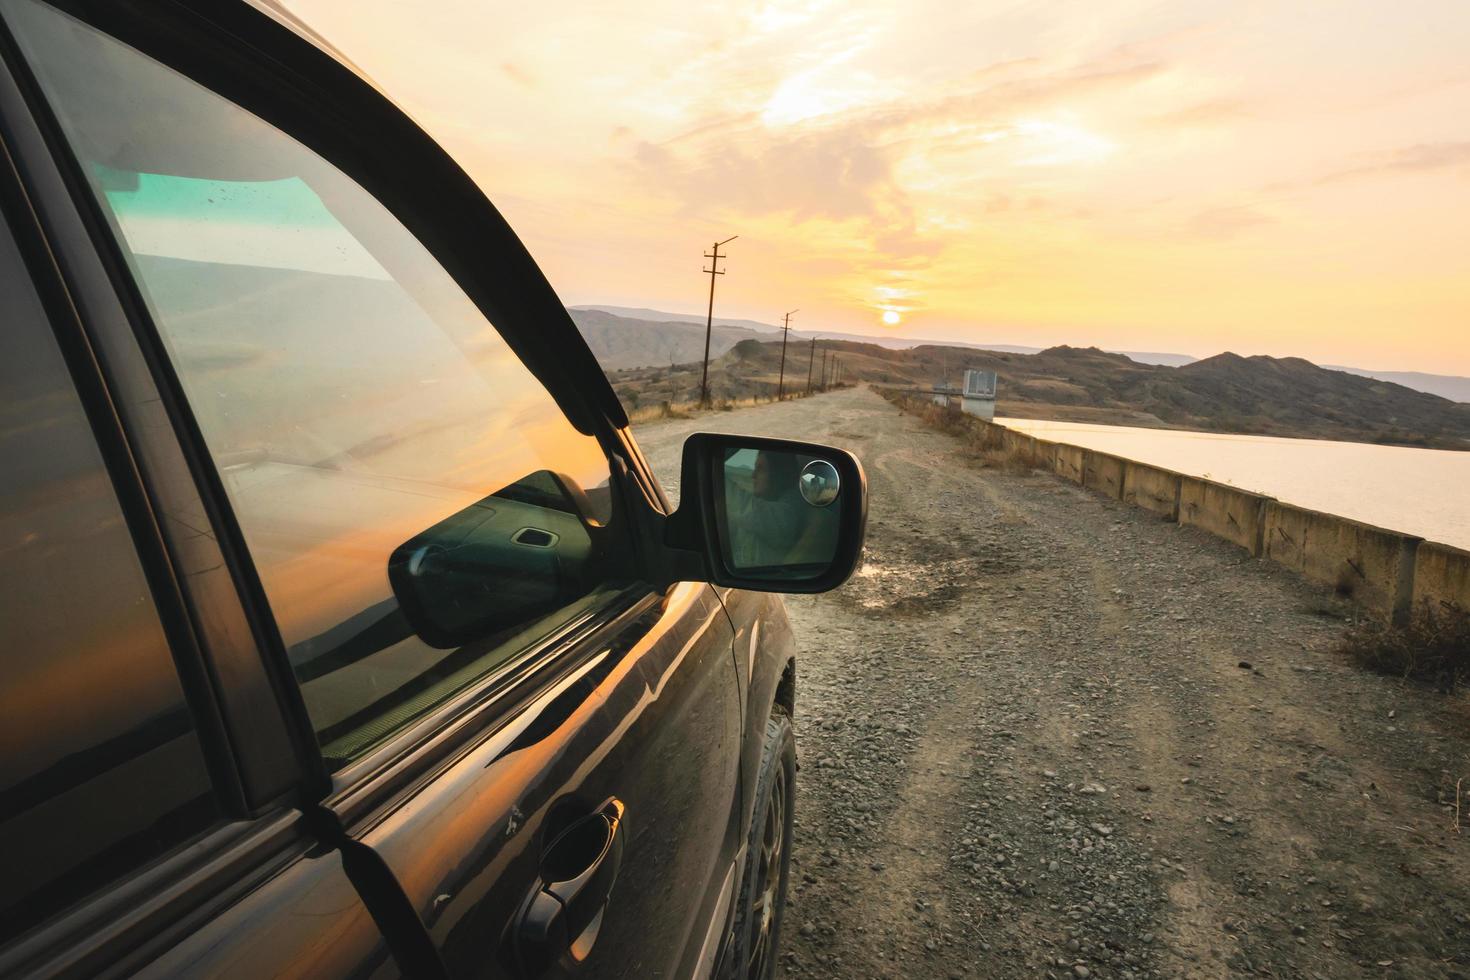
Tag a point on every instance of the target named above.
point(769, 514)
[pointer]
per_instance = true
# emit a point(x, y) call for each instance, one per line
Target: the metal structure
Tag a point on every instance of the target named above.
point(980, 384)
point(979, 394)
point(785, 329)
point(714, 270)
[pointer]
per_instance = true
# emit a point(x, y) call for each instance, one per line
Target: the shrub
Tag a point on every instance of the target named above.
point(1433, 647)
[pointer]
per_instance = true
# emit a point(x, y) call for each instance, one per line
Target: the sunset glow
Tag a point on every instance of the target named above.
point(1288, 179)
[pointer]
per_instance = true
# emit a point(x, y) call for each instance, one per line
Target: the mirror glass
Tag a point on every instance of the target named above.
point(819, 483)
point(778, 518)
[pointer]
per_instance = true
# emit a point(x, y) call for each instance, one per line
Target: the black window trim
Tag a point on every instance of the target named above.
point(123, 474)
point(225, 55)
point(194, 575)
point(123, 925)
point(122, 928)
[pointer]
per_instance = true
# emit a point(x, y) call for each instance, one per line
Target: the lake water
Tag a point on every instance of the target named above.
point(1425, 492)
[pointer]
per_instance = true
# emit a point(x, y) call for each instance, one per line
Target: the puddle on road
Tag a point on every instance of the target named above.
point(908, 586)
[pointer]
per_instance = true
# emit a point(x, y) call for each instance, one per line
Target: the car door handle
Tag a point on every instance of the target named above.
point(563, 914)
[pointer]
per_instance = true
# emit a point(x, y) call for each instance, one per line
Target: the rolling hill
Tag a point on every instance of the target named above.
point(1225, 393)
point(645, 348)
point(630, 337)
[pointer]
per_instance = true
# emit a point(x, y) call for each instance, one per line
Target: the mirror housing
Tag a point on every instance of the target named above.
point(770, 515)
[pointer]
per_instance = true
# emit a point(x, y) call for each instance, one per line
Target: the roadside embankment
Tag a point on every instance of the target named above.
point(1388, 574)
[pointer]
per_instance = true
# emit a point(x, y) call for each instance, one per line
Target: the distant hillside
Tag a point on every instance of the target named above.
point(619, 342)
point(1225, 393)
point(679, 323)
point(659, 316)
point(626, 337)
point(1443, 385)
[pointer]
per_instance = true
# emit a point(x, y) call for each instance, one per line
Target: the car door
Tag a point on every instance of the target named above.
point(130, 834)
point(439, 534)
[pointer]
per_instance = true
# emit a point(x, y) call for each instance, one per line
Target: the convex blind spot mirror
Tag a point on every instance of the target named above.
point(820, 483)
point(770, 514)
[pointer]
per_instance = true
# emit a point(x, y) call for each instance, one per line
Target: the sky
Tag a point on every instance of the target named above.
point(1284, 178)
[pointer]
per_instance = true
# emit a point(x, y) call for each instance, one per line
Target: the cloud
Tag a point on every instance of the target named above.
point(842, 164)
point(1416, 159)
point(517, 74)
point(1225, 222)
point(1211, 112)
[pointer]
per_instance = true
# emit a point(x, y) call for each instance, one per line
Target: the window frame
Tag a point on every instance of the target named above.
point(124, 924)
point(266, 68)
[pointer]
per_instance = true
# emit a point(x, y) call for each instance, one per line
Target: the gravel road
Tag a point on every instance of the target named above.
point(1044, 734)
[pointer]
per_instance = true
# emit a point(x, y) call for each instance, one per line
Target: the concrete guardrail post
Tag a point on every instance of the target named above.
point(1441, 579)
point(1371, 565)
point(1237, 516)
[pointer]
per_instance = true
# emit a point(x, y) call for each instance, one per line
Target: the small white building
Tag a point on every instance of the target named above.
point(979, 394)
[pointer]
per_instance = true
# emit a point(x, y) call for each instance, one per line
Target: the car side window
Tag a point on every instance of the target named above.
point(101, 770)
point(417, 506)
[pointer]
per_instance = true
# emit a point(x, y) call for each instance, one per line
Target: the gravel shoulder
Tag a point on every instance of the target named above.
point(1045, 734)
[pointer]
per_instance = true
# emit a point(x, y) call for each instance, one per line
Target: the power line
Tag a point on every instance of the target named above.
point(785, 329)
point(714, 270)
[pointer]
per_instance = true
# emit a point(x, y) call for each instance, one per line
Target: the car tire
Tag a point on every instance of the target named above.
point(762, 897)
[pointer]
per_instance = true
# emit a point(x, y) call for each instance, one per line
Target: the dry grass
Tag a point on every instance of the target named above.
point(691, 409)
point(1434, 647)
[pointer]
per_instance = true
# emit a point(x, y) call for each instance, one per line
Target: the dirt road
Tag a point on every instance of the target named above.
point(1043, 734)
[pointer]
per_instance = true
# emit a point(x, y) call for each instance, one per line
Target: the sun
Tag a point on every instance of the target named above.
point(890, 317)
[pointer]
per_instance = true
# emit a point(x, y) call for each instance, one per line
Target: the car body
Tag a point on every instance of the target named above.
point(348, 631)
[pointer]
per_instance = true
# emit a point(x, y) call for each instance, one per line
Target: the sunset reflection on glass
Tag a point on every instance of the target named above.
point(355, 401)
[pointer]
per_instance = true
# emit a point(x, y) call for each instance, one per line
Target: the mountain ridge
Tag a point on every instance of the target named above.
point(1228, 392)
point(641, 345)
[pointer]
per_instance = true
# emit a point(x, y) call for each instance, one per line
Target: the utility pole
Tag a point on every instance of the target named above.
point(810, 360)
point(824, 369)
point(785, 329)
point(714, 270)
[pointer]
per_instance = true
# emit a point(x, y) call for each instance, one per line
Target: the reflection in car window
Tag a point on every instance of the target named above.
point(417, 506)
point(101, 769)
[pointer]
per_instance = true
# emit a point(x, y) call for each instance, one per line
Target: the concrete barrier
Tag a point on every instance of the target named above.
point(1068, 461)
point(1392, 575)
point(1441, 578)
point(1103, 473)
point(1012, 442)
point(1373, 566)
point(1152, 489)
point(1044, 455)
point(1025, 450)
point(992, 436)
point(1238, 516)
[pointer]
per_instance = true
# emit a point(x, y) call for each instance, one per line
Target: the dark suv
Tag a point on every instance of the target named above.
point(346, 630)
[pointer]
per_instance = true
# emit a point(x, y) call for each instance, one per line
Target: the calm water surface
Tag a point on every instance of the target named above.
point(1424, 492)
